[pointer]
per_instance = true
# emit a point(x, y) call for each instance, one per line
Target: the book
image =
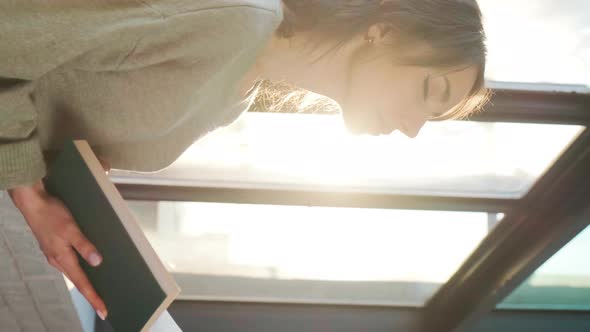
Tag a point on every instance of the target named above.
point(131, 280)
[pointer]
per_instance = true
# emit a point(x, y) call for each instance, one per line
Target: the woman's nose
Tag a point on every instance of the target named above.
point(411, 126)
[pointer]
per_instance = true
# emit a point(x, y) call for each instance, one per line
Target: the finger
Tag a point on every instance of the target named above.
point(83, 245)
point(74, 272)
point(55, 264)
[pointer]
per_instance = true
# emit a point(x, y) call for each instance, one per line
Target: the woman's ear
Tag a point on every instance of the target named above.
point(377, 33)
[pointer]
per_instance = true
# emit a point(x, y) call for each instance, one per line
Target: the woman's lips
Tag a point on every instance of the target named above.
point(375, 125)
point(384, 127)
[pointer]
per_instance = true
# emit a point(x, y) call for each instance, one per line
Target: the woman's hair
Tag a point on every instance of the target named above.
point(452, 30)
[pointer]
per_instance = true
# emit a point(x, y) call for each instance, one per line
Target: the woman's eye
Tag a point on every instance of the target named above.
point(426, 87)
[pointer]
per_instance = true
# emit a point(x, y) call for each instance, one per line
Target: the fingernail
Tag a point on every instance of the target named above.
point(94, 259)
point(101, 314)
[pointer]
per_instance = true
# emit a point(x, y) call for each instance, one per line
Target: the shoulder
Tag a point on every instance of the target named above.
point(269, 8)
point(178, 30)
point(223, 22)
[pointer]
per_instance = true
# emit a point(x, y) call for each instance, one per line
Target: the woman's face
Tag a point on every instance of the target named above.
point(382, 97)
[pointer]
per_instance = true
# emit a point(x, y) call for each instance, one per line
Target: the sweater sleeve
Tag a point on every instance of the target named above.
point(35, 38)
point(21, 160)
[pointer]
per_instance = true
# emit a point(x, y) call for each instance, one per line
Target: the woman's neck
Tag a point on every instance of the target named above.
point(287, 61)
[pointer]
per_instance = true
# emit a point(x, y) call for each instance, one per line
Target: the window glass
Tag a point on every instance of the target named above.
point(309, 254)
point(542, 41)
point(562, 283)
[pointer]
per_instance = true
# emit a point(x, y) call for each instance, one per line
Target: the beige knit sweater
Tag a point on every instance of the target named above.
point(141, 80)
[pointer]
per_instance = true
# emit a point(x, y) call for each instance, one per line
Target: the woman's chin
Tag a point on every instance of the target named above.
point(356, 126)
point(360, 129)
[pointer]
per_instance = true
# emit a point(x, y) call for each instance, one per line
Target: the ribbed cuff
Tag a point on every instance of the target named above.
point(21, 163)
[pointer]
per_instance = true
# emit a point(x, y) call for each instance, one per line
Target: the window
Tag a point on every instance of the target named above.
point(309, 254)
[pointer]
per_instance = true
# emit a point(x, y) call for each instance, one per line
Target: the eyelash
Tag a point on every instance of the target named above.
point(447, 91)
point(426, 87)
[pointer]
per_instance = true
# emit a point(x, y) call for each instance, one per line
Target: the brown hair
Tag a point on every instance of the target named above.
point(452, 28)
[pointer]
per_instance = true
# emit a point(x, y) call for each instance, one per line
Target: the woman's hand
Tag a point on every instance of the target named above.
point(58, 236)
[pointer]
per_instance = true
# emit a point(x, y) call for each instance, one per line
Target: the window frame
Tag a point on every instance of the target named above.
point(505, 258)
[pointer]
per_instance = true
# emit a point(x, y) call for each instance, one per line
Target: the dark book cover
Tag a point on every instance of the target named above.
point(131, 280)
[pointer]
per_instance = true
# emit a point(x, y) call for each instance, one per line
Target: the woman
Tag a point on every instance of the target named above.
point(141, 80)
